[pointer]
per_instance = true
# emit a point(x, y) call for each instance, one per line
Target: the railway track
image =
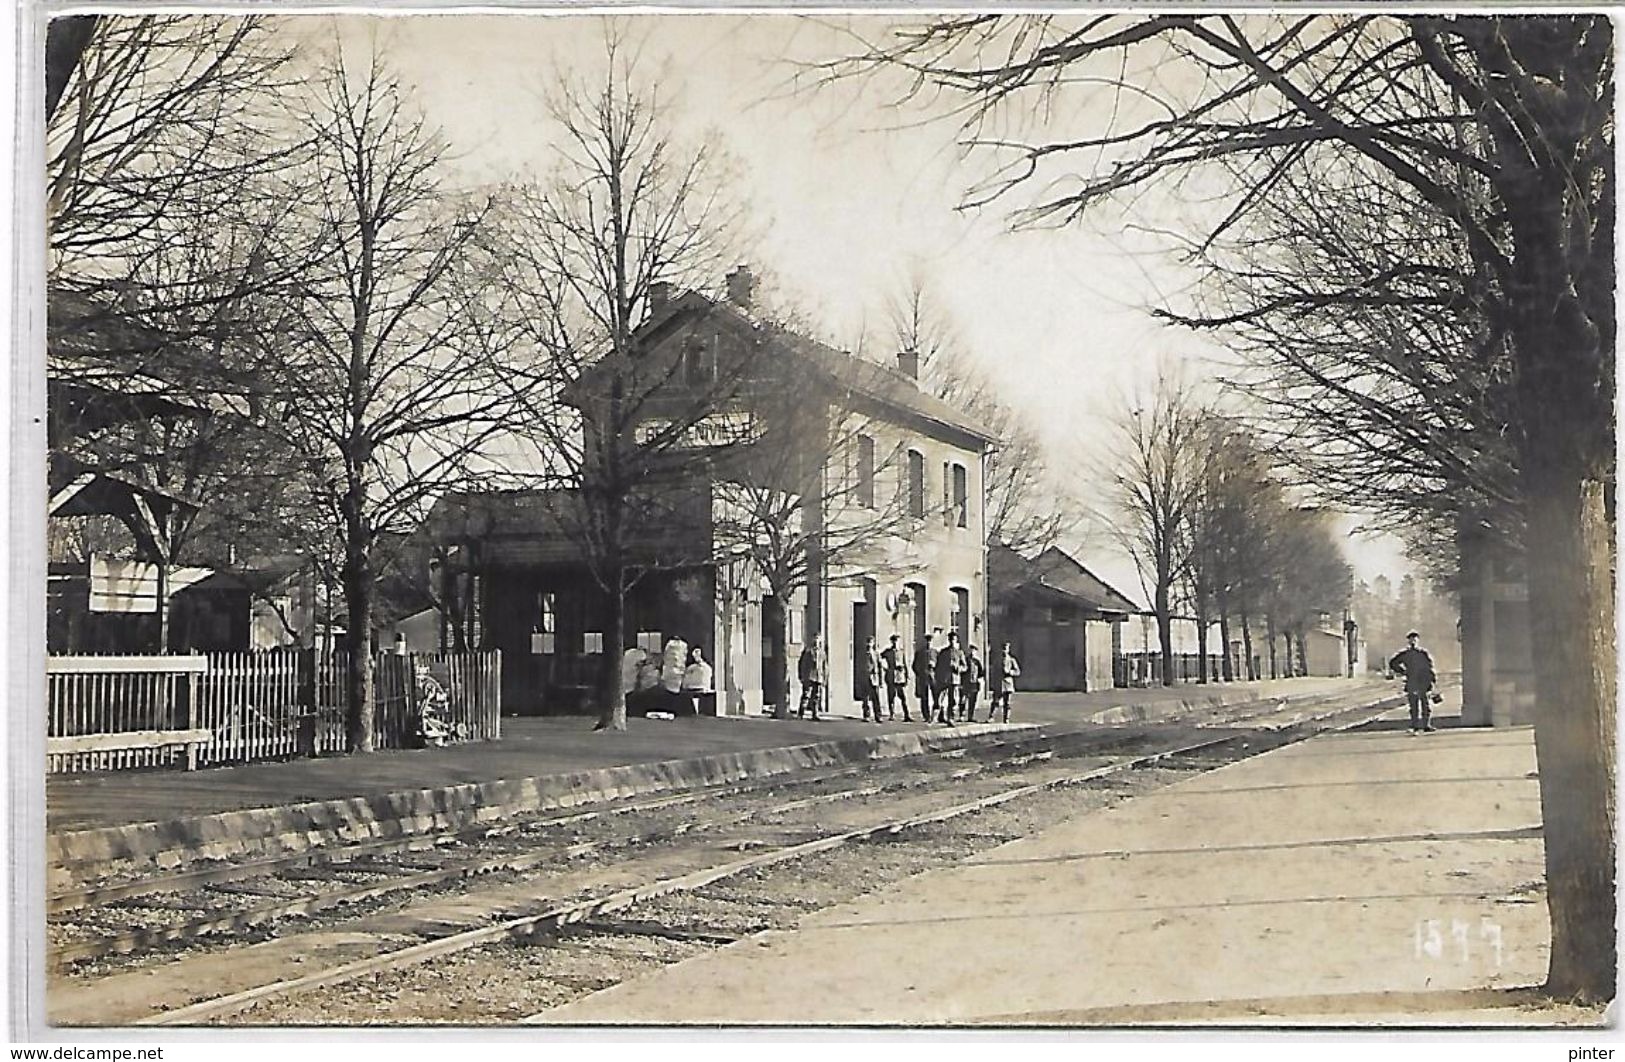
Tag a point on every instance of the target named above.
point(456, 857)
point(116, 888)
point(660, 845)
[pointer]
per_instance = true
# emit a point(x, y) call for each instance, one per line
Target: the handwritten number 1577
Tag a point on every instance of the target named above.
point(1430, 939)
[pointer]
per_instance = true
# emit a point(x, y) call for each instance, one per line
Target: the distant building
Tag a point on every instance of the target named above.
point(1062, 621)
point(516, 577)
point(110, 605)
point(1497, 646)
point(108, 594)
point(266, 604)
point(1325, 653)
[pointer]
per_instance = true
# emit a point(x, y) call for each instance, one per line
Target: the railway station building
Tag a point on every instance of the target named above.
point(772, 475)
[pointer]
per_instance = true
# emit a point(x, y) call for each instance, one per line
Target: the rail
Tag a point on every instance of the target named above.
point(583, 912)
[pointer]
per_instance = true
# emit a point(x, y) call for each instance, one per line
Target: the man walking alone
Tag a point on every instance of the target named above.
point(1417, 666)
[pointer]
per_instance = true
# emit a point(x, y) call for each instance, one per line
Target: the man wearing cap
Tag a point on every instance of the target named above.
point(810, 669)
point(924, 664)
point(950, 673)
point(1417, 666)
point(894, 664)
point(869, 680)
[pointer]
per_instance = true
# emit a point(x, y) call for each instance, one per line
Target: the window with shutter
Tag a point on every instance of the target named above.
point(866, 471)
point(916, 483)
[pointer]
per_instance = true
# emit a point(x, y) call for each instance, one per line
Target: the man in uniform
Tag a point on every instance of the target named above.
point(895, 666)
point(810, 669)
point(869, 681)
point(950, 673)
point(923, 666)
point(1417, 666)
point(971, 687)
point(1004, 673)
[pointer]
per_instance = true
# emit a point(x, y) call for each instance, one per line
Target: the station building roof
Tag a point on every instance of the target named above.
point(887, 387)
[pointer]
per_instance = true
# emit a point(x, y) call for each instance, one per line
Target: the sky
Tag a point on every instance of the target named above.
point(849, 196)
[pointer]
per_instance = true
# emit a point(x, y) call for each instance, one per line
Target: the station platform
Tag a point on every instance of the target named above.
point(116, 820)
point(1368, 877)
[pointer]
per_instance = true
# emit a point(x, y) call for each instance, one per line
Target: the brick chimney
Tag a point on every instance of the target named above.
point(740, 284)
point(908, 363)
point(659, 295)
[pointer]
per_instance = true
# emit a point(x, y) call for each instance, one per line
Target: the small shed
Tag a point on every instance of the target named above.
point(1059, 618)
point(1325, 653)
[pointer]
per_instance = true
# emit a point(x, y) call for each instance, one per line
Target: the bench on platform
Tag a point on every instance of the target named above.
point(133, 740)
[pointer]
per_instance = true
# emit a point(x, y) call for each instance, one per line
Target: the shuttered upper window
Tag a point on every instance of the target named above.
point(866, 471)
point(916, 483)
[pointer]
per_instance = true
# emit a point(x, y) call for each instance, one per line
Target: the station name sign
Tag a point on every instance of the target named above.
point(712, 430)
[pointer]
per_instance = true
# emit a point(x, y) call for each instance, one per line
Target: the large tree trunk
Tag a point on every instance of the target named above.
point(1165, 633)
point(1565, 464)
point(612, 688)
point(1561, 300)
point(1247, 648)
point(1201, 644)
point(776, 617)
point(1572, 617)
point(1269, 639)
point(66, 38)
point(356, 577)
point(359, 680)
point(1227, 668)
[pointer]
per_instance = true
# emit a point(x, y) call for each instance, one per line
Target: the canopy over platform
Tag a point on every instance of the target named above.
point(81, 489)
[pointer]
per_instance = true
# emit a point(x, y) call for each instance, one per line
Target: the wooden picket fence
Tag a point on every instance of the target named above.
point(250, 703)
point(473, 684)
point(110, 713)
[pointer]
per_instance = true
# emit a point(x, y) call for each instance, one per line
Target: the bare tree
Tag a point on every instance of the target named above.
point(1153, 465)
point(1210, 537)
point(1309, 579)
point(385, 383)
point(1235, 535)
point(155, 113)
point(165, 136)
point(168, 155)
point(1374, 370)
point(1253, 554)
point(630, 215)
point(1503, 127)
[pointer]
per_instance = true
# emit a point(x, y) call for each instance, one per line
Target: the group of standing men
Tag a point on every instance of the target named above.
point(947, 682)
